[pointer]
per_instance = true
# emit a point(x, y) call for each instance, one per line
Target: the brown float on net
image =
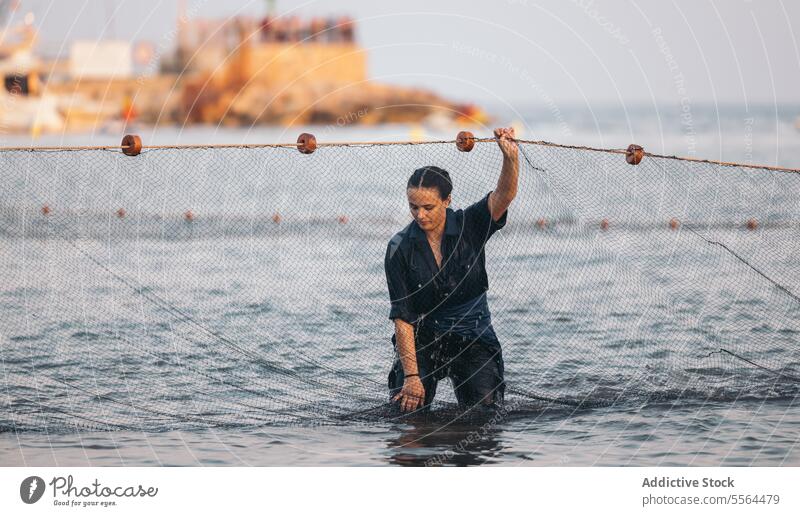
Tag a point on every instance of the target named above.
point(131, 145)
point(306, 143)
point(634, 154)
point(465, 141)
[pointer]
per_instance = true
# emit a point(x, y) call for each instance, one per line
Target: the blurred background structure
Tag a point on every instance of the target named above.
point(233, 71)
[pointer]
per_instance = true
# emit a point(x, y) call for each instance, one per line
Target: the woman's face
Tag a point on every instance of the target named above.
point(427, 208)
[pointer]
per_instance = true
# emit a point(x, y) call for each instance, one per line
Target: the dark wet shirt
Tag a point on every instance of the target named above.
point(417, 287)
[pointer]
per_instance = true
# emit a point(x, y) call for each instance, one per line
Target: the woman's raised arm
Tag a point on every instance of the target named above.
point(506, 190)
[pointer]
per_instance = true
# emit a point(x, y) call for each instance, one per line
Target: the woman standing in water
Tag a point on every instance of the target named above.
point(436, 272)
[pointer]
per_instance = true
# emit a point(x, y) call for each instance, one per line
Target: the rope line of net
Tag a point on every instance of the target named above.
point(307, 143)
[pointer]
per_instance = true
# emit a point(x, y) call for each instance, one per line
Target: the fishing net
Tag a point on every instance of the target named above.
point(244, 286)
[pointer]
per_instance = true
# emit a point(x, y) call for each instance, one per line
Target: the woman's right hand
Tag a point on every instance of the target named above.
point(506, 139)
point(412, 395)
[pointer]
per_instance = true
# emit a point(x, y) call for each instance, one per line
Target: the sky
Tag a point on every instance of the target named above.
point(517, 51)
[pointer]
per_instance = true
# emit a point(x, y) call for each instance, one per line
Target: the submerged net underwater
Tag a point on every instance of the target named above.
point(242, 286)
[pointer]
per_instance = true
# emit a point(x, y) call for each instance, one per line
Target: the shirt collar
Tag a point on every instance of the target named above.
point(450, 226)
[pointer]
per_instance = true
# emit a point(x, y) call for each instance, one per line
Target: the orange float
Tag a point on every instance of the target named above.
point(634, 154)
point(465, 141)
point(131, 145)
point(306, 143)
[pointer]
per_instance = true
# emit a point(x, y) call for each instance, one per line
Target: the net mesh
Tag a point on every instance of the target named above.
point(244, 286)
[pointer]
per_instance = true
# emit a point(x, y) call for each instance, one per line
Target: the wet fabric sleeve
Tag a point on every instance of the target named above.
point(396, 273)
point(478, 221)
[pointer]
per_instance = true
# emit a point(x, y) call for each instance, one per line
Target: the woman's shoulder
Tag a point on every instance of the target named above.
point(396, 241)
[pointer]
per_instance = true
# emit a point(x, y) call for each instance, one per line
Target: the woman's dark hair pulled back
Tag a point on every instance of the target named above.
point(432, 177)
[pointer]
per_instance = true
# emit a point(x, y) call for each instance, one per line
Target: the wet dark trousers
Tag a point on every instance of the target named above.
point(474, 366)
